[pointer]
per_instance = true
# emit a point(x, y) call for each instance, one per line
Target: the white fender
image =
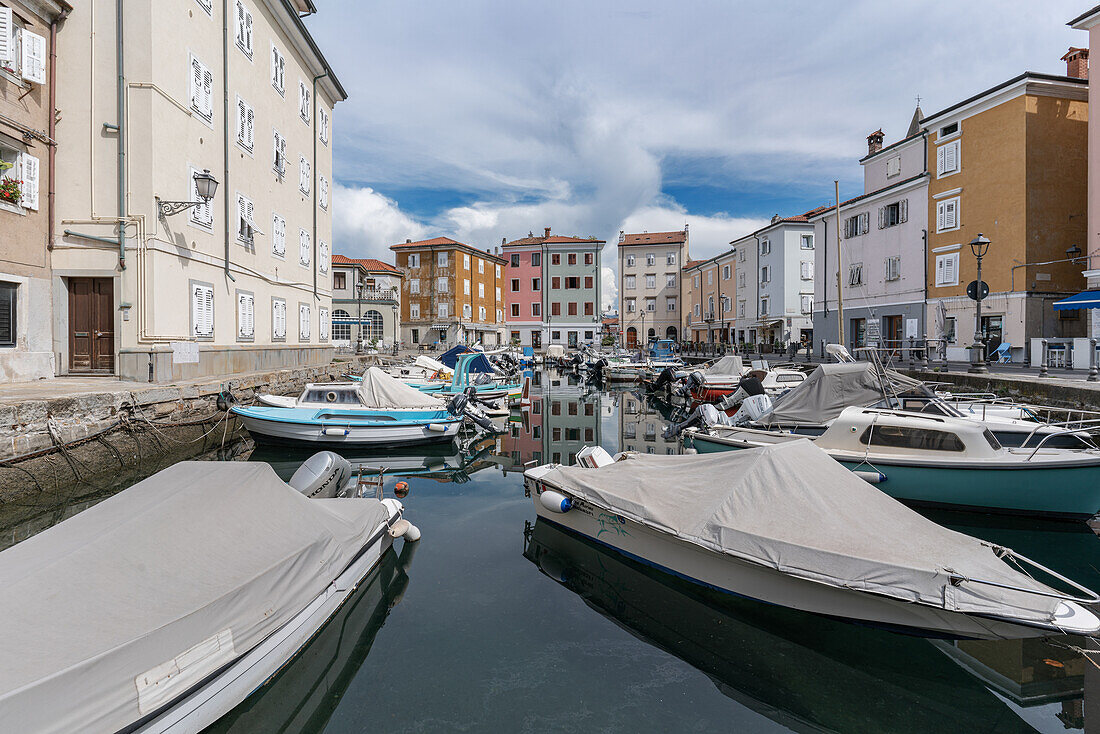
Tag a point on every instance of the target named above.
point(555, 501)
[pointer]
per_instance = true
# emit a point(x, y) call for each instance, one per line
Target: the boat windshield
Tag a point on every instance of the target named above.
point(904, 437)
point(337, 396)
point(993, 442)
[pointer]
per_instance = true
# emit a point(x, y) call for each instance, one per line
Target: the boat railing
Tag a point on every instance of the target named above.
point(1081, 432)
point(1002, 552)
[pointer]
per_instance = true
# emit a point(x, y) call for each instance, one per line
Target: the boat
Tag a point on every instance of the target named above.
point(378, 410)
point(939, 461)
point(787, 525)
point(166, 605)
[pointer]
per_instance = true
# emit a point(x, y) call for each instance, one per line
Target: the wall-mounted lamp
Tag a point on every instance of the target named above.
point(205, 186)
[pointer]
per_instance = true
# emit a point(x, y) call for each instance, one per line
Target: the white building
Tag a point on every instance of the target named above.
point(240, 282)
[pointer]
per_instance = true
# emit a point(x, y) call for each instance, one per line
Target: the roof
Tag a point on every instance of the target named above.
point(654, 238)
point(555, 240)
point(903, 141)
point(301, 28)
point(1080, 20)
point(1026, 76)
point(367, 263)
point(828, 208)
point(796, 219)
point(446, 243)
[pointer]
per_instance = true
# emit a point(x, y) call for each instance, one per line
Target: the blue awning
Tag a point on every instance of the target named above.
point(1085, 299)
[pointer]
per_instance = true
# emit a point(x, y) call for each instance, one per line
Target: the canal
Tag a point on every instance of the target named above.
point(495, 622)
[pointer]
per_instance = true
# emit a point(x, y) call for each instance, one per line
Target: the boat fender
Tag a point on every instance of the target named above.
point(405, 529)
point(556, 501)
point(401, 490)
point(872, 477)
point(437, 427)
point(335, 431)
point(691, 452)
point(553, 567)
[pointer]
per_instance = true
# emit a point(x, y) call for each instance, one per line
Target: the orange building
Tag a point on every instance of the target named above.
point(451, 293)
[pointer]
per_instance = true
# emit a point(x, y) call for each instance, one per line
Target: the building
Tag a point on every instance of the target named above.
point(151, 281)
point(451, 293)
point(1077, 60)
point(366, 302)
point(563, 418)
point(27, 154)
point(553, 289)
point(712, 294)
point(650, 289)
point(881, 253)
point(1009, 163)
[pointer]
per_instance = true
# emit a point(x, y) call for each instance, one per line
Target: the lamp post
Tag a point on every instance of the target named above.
point(394, 307)
point(359, 319)
point(979, 246)
point(205, 186)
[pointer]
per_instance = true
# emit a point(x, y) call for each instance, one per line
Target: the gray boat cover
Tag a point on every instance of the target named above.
point(731, 364)
point(112, 614)
point(792, 508)
point(830, 389)
point(380, 390)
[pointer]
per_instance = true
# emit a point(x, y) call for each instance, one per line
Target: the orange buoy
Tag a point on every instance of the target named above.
point(401, 489)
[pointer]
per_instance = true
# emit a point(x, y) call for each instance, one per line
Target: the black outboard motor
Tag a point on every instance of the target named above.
point(667, 376)
point(694, 380)
point(705, 414)
point(457, 404)
point(749, 385)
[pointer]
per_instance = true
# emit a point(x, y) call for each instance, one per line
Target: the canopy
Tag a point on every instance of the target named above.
point(423, 360)
point(450, 357)
point(830, 389)
point(731, 364)
point(380, 390)
point(1084, 299)
point(792, 508)
point(116, 611)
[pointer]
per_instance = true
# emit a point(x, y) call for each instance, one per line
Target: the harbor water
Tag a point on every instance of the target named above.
point(496, 622)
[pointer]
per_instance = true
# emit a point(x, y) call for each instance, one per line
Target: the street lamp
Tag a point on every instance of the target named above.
point(205, 186)
point(359, 322)
point(394, 307)
point(979, 246)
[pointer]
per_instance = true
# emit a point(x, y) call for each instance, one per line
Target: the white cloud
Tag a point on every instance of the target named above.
point(609, 290)
point(365, 223)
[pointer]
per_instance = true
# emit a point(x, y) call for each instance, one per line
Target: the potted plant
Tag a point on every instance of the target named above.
point(11, 189)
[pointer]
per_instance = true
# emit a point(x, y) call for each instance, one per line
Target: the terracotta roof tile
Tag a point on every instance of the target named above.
point(368, 263)
point(448, 242)
point(654, 238)
point(555, 240)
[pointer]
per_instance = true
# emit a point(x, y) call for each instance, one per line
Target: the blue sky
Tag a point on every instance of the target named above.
point(483, 119)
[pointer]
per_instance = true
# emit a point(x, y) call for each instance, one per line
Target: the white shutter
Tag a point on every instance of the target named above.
point(303, 322)
point(248, 32)
point(34, 57)
point(322, 256)
point(864, 222)
point(939, 216)
point(246, 320)
point(242, 115)
point(951, 157)
point(5, 34)
point(303, 247)
point(939, 161)
point(949, 269)
point(950, 214)
point(903, 210)
point(278, 319)
point(197, 84)
point(202, 310)
point(30, 175)
point(882, 217)
point(322, 331)
point(322, 192)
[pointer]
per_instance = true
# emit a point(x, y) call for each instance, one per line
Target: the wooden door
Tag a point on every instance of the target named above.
point(91, 325)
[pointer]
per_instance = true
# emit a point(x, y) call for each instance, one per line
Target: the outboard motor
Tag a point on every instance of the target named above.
point(751, 410)
point(324, 475)
point(666, 378)
point(463, 404)
point(597, 369)
point(703, 415)
point(457, 404)
point(749, 385)
point(693, 381)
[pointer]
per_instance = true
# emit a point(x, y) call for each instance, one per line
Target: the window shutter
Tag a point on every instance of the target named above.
point(865, 222)
point(34, 57)
point(197, 85)
point(322, 256)
point(939, 216)
point(30, 175)
point(949, 214)
point(248, 32)
point(242, 115)
point(242, 315)
point(939, 161)
point(881, 217)
point(250, 128)
point(5, 34)
point(903, 210)
point(208, 92)
point(950, 157)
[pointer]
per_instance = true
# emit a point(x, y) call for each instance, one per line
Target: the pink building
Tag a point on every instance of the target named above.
point(523, 294)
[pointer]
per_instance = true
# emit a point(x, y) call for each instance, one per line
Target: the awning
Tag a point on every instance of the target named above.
point(1085, 299)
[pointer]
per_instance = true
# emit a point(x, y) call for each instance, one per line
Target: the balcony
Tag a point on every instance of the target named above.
point(379, 294)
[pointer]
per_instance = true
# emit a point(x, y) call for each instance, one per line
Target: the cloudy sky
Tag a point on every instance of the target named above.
point(485, 120)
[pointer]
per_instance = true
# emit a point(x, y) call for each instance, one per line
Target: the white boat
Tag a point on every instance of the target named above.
point(166, 605)
point(787, 525)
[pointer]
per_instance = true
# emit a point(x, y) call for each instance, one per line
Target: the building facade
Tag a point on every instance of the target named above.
point(881, 256)
point(1077, 61)
point(150, 289)
point(451, 293)
point(553, 290)
point(991, 172)
point(366, 303)
point(712, 295)
point(651, 291)
point(28, 71)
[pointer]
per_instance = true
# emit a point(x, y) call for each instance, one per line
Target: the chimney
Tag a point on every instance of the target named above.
point(1077, 62)
point(622, 236)
point(874, 142)
point(503, 241)
point(547, 230)
point(775, 218)
point(408, 240)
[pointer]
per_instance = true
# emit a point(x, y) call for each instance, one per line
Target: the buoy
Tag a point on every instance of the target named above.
point(872, 477)
point(401, 489)
point(556, 501)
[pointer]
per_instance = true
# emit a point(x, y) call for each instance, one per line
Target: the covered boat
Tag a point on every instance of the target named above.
point(379, 410)
point(162, 607)
point(789, 526)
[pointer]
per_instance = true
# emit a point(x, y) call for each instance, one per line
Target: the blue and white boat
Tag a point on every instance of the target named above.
point(379, 410)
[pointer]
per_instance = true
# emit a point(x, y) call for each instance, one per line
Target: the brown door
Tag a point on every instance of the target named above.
point(91, 325)
point(893, 334)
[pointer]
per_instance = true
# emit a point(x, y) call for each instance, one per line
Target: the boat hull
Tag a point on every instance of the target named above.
point(733, 576)
point(1060, 492)
point(354, 433)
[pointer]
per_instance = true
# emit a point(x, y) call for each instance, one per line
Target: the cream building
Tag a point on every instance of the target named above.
point(151, 291)
point(651, 295)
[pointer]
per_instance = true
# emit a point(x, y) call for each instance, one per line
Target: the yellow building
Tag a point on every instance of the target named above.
point(1009, 163)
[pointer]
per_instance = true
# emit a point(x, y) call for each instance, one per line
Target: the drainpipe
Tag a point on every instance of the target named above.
point(313, 116)
point(120, 113)
point(225, 131)
point(51, 163)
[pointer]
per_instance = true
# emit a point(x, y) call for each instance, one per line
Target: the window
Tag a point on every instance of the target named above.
point(630, 261)
point(855, 274)
point(303, 101)
point(203, 214)
point(710, 277)
point(207, 5)
point(741, 309)
point(323, 324)
point(322, 124)
point(572, 282)
point(9, 294)
point(651, 305)
point(555, 283)
point(947, 269)
point(498, 271)
point(514, 309)
point(246, 316)
point(588, 281)
point(414, 310)
point(630, 282)
point(947, 159)
point(670, 258)
point(498, 294)
point(278, 236)
point(465, 261)
point(278, 319)
point(857, 225)
point(515, 285)
point(246, 225)
point(536, 309)
point(949, 329)
point(303, 175)
point(412, 260)
point(441, 259)
point(947, 214)
point(304, 322)
point(341, 326)
point(806, 270)
point(465, 286)
point(725, 273)
point(441, 285)
point(481, 315)
point(536, 259)
point(949, 129)
point(588, 258)
point(893, 268)
point(741, 279)
point(572, 308)
point(339, 281)
point(741, 255)
point(651, 281)
point(244, 29)
point(202, 90)
point(807, 242)
point(480, 290)
point(765, 274)
point(278, 149)
point(555, 259)
point(536, 284)
point(893, 214)
point(572, 258)
point(303, 248)
point(589, 308)
point(670, 302)
point(670, 279)
point(555, 308)
point(442, 311)
point(414, 286)
point(904, 437)
point(466, 309)
point(202, 311)
point(515, 261)
point(763, 306)
point(631, 305)
point(322, 256)
point(696, 281)
point(278, 70)
point(415, 336)
point(807, 303)
point(893, 166)
point(322, 192)
point(765, 246)
point(696, 309)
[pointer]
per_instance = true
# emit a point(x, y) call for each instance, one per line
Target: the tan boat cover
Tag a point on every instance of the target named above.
point(380, 390)
point(110, 615)
point(830, 389)
point(731, 364)
point(792, 508)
